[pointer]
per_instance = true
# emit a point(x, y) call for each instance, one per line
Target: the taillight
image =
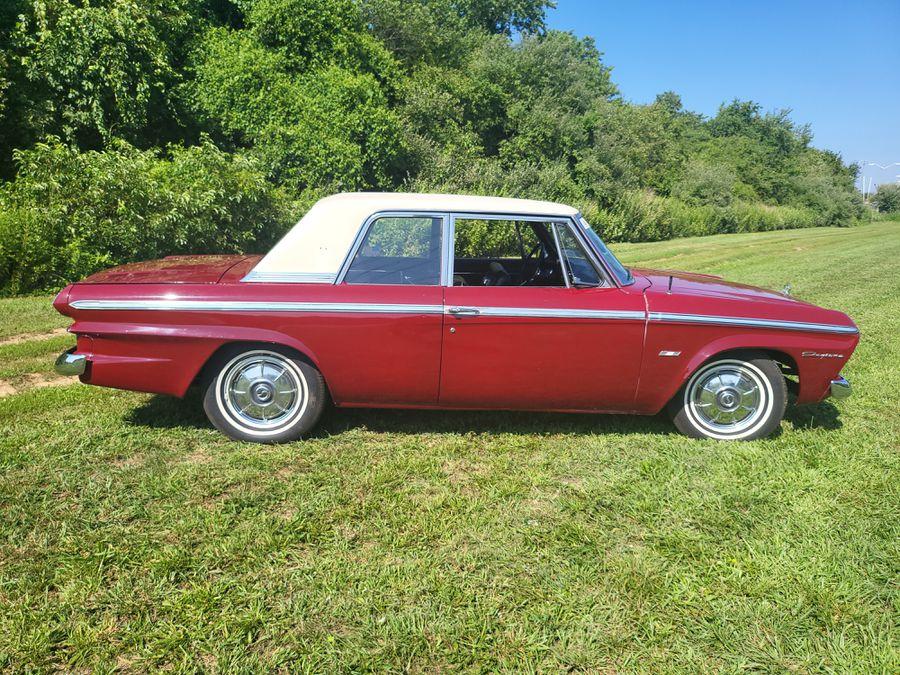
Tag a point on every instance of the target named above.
point(61, 302)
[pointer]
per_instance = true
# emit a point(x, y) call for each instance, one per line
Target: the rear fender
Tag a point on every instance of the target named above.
point(166, 359)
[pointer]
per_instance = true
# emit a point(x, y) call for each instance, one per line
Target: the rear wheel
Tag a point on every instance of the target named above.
point(739, 397)
point(266, 395)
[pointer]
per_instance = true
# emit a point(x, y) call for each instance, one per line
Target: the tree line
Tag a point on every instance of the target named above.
point(131, 129)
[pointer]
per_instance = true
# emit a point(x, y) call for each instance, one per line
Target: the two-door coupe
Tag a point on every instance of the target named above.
point(449, 301)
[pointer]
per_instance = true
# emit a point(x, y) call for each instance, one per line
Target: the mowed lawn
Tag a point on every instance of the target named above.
point(133, 536)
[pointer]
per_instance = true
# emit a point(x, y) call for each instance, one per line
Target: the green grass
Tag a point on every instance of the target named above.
point(133, 536)
point(32, 314)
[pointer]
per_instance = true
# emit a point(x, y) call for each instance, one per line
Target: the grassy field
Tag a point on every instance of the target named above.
point(134, 536)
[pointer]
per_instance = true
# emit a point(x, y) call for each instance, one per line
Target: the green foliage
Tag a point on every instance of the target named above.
point(319, 96)
point(92, 70)
point(71, 213)
point(643, 216)
point(887, 198)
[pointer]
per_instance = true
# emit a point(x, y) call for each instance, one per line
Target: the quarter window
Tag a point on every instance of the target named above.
point(399, 250)
point(579, 268)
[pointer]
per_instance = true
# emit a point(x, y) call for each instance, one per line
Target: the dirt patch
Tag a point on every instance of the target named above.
point(33, 381)
point(129, 462)
point(28, 337)
point(38, 381)
point(198, 456)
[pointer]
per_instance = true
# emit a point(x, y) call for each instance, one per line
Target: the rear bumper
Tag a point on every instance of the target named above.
point(840, 388)
point(69, 363)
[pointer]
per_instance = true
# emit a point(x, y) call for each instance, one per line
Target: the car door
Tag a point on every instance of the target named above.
point(575, 344)
point(383, 346)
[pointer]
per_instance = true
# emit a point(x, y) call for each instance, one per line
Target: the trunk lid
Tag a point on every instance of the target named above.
point(174, 269)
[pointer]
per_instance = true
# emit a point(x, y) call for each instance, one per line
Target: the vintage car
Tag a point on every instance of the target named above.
point(451, 302)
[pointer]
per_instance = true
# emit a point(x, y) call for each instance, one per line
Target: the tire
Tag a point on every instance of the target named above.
point(740, 397)
point(264, 394)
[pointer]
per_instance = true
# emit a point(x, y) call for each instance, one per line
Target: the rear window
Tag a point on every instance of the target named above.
point(399, 250)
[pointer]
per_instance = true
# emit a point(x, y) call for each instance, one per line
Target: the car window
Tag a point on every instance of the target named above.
point(399, 250)
point(579, 267)
point(489, 252)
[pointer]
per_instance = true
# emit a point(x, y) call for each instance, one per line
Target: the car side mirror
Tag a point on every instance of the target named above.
point(580, 283)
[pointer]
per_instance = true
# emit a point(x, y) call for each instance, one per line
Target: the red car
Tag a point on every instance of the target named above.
point(451, 302)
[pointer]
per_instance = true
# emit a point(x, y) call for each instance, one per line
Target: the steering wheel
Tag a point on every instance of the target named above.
point(541, 269)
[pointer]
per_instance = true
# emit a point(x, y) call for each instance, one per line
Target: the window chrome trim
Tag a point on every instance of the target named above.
point(364, 230)
point(289, 277)
point(667, 317)
point(447, 250)
point(563, 260)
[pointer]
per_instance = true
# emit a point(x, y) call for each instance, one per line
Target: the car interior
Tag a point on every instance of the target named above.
point(487, 252)
point(505, 253)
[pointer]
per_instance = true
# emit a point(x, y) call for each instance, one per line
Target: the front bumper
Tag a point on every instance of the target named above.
point(840, 388)
point(70, 363)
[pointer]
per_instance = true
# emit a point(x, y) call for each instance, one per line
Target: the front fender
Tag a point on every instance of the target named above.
point(662, 376)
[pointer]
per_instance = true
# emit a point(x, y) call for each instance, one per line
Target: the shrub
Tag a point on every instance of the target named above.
point(643, 216)
point(887, 198)
point(68, 214)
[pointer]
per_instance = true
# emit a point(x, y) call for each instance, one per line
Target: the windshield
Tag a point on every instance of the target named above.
point(623, 275)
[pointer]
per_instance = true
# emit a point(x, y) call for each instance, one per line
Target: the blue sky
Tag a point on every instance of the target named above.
point(836, 65)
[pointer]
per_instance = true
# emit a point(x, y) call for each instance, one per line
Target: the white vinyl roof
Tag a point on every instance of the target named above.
point(314, 248)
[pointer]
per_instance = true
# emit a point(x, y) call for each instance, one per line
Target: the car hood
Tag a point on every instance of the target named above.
point(175, 269)
point(708, 295)
point(711, 286)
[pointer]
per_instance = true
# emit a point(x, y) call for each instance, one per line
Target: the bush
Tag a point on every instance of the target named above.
point(643, 216)
point(887, 198)
point(69, 214)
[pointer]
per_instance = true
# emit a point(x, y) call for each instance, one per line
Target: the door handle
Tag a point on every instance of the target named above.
point(463, 311)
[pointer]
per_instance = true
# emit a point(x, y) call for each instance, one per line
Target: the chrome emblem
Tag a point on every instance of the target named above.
point(665, 352)
point(821, 355)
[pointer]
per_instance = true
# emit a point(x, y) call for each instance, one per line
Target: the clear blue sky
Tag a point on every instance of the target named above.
point(836, 65)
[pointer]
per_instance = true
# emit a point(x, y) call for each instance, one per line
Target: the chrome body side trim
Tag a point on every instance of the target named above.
point(252, 306)
point(547, 313)
point(667, 317)
point(840, 388)
point(388, 308)
point(289, 277)
point(69, 363)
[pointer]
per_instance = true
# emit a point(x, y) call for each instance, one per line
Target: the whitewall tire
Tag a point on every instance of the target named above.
point(263, 394)
point(739, 397)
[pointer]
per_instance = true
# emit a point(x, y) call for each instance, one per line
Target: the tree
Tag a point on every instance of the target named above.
point(887, 198)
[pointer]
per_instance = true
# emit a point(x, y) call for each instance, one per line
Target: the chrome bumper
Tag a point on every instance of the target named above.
point(840, 388)
point(71, 364)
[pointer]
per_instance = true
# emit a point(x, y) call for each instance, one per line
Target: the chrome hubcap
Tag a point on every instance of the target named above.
point(727, 398)
point(262, 390)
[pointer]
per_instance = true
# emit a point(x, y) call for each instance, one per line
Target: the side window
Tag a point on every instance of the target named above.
point(399, 250)
point(491, 252)
point(580, 269)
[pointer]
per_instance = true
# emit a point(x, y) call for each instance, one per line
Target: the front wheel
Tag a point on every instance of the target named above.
point(265, 395)
point(739, 397)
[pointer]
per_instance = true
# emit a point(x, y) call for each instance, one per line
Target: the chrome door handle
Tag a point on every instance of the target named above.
point(463, 311)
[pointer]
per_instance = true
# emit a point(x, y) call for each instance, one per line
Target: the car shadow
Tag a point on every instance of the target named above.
point(166, 412)
point(822, 415)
